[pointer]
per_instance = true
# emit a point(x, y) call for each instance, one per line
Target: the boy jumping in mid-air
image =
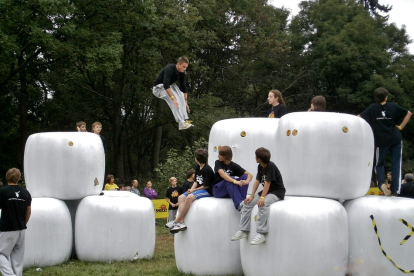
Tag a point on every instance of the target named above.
point(273, 190)
point(169, 92)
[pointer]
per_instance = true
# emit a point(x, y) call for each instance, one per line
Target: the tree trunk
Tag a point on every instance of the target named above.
point(23, 115)
point(157, 140)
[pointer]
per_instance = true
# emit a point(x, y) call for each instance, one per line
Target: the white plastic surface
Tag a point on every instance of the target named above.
point(48, 234)
point(324, 154)
point(365, 254)
point(64, 165)
point(243, 136)
point(116, 226)
point(205, 247)
point(307, 236)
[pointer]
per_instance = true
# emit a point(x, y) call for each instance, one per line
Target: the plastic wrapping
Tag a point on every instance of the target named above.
point(64, 165)
point(243, 136)
point(49, 233)
point(324, 154)
point(307, 236)
point(205, 247)
point(116, 226)
point(374, 219)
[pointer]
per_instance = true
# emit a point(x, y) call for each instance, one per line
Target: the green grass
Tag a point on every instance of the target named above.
point(162, 263)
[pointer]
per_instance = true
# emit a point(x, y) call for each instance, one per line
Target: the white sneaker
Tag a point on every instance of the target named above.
point(258, 239)
point(178, 227)
point(385, 190)
point(170, 224)
point(185, 125)
point(239, 235)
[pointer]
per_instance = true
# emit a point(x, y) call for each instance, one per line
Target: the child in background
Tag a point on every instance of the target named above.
point(96, 128)
point(81, 126)
point(188, 183)
point(134, 188)
point(128, 188)
point(110, 185)
point(171, 196)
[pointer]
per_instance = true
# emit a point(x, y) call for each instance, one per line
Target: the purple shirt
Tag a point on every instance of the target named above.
point(150, 193)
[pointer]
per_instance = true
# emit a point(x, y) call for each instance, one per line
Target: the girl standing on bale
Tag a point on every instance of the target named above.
point(278, 104)
point(230, 180)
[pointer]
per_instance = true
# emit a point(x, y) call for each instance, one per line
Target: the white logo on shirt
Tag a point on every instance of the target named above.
point(383, 114)
point(263, 180)
point(199, 179)
point(17, 194)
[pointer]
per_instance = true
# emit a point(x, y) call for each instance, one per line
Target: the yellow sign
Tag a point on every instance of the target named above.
point(160, 208)
point(374, 191)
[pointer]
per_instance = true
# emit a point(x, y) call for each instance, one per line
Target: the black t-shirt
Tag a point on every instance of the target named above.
point(407, 190)
point(383, 120)
point(232, 169)
point(169, 75)
point(14, 201)
point(271, 173)
point(277, 111)
point(204, 177)
point(173, 194)
point(187, 185)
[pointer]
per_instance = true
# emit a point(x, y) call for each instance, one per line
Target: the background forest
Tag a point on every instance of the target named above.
point(86, 60)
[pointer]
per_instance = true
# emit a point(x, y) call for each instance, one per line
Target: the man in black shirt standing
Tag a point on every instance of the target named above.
point(383, 118)
point(15, 205)
point(164, 88)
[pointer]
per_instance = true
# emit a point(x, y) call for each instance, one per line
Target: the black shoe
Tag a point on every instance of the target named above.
point(394, 194)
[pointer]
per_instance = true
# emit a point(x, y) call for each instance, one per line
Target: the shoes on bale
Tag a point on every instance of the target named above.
point(239, 235)
point(258, 239)
point(178, 227)
point(170, 224)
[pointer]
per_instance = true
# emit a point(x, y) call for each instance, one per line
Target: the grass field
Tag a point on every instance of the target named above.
point(162, 263)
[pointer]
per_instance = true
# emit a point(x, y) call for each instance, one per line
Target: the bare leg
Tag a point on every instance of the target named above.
point(183, 208)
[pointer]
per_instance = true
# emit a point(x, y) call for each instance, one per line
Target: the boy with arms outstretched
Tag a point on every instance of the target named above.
point(273, 190)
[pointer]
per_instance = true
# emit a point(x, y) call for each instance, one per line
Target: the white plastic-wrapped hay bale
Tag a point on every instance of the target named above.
point(307, 236)
point(205, 247)
point(64, 165)
point(386, 220)
point(48, 233)
point(243, 136)
point(116, 226)
point(324, 154)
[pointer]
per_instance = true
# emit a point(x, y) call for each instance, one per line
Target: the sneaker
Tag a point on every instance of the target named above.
point(239, 235)
point(185, 125)
point(258, 239)
point(170, 224)
point(178, 227)
point(385, 190)
point(394, 194)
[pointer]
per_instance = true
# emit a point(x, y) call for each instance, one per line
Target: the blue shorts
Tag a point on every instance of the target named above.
point(199, 194)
